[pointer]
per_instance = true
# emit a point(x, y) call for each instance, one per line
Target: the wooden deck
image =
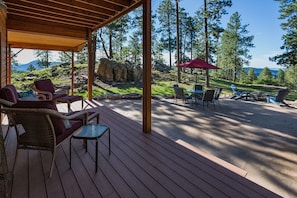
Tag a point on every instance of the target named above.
point(140, 165)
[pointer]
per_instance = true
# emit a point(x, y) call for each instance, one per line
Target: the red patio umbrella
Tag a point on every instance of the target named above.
point(197, 63)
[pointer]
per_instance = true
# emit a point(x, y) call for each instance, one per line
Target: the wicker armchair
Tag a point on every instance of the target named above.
point(44, 129)
point(47, 88)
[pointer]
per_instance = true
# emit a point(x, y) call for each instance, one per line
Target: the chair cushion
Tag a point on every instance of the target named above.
point(91, 115)
point(69, 98)
point(58, 123)
point(24, 94)
point(58, 96)
point(9, 93)
point(75, 124)
point(45, 85)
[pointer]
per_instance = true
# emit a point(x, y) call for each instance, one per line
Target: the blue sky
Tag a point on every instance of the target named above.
point(261, 15)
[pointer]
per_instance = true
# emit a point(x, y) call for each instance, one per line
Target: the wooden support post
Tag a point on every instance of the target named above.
point(72, 73)
point(147, 67)
point(9, 65)
point(90, 65)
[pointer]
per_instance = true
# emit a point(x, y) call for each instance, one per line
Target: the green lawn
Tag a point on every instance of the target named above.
point(162, 84)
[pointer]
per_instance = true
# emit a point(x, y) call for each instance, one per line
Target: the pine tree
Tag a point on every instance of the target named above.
point(31, 68)
point(65, 57)
point(234, 48)
point(43, 58)
point(82, 56)
point(251, 77)
point(281, 76)
point(265, 76)
point(113, 36)
point(166, 16)
point(288, 10)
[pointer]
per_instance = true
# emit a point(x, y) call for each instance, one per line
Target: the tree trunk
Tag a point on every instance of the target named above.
point(206, 44)
point(94, 52)
point(110, 45)
point(103, 45)
point(177, 43)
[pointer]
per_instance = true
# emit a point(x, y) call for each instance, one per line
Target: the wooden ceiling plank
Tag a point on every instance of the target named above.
point(102, 4)
point(54, 20)
point(15, 24)
point(70, 10)
point(52, 11)
point(78, 5)
point(124, 3)
point(115, 17)
point(46, 47)
point(52, 17)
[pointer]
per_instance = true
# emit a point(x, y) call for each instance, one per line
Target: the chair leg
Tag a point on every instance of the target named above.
point(69, 107)
point(70, 152)
point(15, 159)
point(52, 163)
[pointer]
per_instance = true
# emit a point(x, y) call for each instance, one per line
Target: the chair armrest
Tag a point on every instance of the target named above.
point(6, 103)
point(83, 113)
point(62, 89)
point(48, 95)
point(41, 96)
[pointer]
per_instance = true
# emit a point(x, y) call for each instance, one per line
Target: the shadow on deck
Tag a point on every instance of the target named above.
point(140, 165)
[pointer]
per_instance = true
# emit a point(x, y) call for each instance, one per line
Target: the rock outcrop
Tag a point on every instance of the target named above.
point(112, 71)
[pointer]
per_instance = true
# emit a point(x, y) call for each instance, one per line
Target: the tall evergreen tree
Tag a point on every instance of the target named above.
point(65, 57)
point(210, 17)
point(188, 37)
point(120, 36)
point(166, 16)
point(82, 56)
point(265, 76)
point(281, 76)
point(251, 75)
point(234, 48)
point(43, 58)
point(135, 48)
point(135, 40)
point(288, 10)
point(113, 36)
point(31, 68)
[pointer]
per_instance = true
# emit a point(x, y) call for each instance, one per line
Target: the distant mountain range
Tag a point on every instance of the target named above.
point(34, 63)
point(24, 67)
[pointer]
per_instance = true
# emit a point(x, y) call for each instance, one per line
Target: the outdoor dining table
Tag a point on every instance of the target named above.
point(196, 93)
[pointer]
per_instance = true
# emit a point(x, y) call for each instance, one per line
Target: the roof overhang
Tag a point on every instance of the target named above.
point(60, 24)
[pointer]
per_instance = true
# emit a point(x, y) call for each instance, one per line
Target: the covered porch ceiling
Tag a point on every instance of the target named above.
point(60, 24)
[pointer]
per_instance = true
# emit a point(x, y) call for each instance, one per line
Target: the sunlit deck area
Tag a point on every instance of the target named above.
point(140, 165)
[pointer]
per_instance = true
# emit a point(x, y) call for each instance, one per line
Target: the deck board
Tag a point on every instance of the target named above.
point(140, 165)
point(181, 174)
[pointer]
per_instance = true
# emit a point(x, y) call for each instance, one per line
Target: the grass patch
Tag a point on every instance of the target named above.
point(162, 84)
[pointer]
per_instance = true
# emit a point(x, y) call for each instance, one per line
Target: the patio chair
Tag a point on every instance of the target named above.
point(239, 94)
point(179, 94)
point(208, 97)
point(279, 98)
point(42, 128)
point(217, 94)
point(46, 87)
point(198, 96)
point(10, 93)
point(10, 96)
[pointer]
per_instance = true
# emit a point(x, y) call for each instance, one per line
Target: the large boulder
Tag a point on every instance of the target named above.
point(161, 67)
point(112, 71)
